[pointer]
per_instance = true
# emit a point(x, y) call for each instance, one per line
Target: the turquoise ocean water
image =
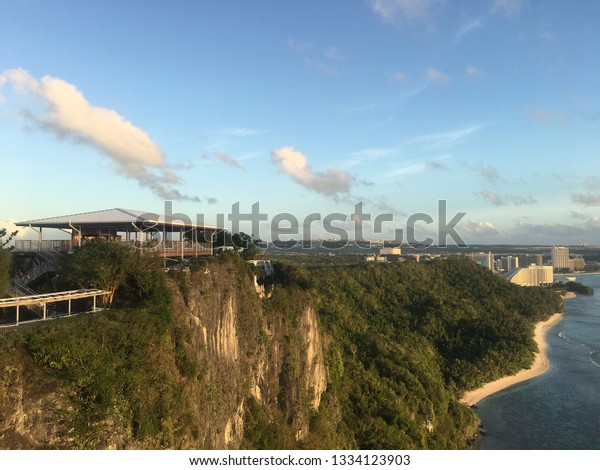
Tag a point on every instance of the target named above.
point(560, 409)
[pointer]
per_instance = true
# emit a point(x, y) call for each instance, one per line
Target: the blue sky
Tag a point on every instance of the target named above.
point(493, 106)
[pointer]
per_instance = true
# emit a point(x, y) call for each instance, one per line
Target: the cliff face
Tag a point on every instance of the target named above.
point(232, 354)
point(31, 406)
point(249, 348)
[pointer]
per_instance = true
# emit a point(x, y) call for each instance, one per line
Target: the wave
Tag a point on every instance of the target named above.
point(570, 341)
point(595, 358)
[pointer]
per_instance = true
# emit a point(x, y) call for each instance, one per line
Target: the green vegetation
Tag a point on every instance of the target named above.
point(128, 274)
point(572, 286)
point(407, 340)
point(4, 260)
point(111, 363)
point(401, 343)
point(4, 271)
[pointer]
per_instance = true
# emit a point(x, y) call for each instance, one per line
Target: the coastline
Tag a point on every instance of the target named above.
point(540, 365)
point(568, 295)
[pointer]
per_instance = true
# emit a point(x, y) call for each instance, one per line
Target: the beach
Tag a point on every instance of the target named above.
point(540, 365)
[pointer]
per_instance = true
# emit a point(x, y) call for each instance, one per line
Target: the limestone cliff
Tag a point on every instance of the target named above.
point(230, 352)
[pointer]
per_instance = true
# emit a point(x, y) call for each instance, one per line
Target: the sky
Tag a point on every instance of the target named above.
point(307, 107)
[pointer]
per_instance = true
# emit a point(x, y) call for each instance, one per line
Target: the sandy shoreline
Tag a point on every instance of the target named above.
point(540, 365)
point(568, 295)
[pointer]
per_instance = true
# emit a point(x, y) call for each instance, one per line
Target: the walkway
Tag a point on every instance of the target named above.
point(42, 300)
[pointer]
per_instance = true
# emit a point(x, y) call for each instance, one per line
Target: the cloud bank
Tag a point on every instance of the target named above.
point(68, 115)
point(330, 183)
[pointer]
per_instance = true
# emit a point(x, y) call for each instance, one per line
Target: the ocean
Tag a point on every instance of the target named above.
point(560, 409)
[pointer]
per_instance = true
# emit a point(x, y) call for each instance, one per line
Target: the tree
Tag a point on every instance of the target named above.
point(112, 267)
point(5, 260)
point(241, 242)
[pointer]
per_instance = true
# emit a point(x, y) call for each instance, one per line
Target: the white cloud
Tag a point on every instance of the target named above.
point(437, 76)
point(468, 27)
point(232, 162)
point(548, 36)
point(410, 169)
point(68, 115)
point(444, 139)
point(23, 232)
point(589, 199)
point(537, 114)
point(333, 53)
point(401, 77)
point(322, 67)
point(370, 155)
point(489, 173)
point(300, 46)
point(509, 7)
point(410, 10)
point(436, 165)
point(545, 116)
point(473, 227)
point(528, 200)
point(238, 131)
point(473, 72)
point(295, 164)
point(493, 198)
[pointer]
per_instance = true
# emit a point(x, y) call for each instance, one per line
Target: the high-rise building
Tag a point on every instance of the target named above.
point(526, 260)
point(484, 259)
point(509, 262)
point(560, 257)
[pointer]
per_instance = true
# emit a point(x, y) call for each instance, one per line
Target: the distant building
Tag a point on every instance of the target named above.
point(527, 259)
point(577, 264)
point(263, 263)
point(560, 257)
point(483, 259)
point(390, 251)
point(508, 263)
point(531, 276)
point(376, 259)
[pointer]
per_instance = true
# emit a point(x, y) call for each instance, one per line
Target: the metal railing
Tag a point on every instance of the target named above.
point(61, 246)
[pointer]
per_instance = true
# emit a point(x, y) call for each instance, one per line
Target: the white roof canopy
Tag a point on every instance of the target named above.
point(117, 219)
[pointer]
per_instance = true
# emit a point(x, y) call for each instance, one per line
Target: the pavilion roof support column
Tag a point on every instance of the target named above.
point(78, 233)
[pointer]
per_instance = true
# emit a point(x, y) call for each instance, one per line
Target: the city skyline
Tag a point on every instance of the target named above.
point(491, 106)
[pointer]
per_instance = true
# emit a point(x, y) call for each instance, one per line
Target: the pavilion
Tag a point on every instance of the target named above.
point(169, 236)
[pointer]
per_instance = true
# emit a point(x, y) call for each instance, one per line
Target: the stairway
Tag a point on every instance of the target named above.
point(18, 288)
